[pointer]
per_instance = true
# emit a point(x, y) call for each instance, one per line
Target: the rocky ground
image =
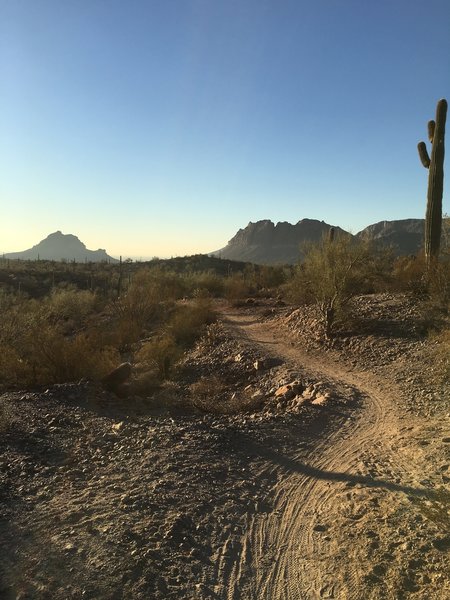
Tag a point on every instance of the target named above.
point(275, 465)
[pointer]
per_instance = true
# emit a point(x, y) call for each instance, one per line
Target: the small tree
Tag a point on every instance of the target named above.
point(334, 271)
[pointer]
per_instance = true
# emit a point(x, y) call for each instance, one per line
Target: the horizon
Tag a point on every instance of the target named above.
point(147, 258)
point(161, 129)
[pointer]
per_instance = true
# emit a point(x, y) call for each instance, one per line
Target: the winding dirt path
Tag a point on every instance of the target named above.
point(336, 527)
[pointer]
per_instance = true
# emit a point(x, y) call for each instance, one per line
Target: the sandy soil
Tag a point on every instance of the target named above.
point(335, 488)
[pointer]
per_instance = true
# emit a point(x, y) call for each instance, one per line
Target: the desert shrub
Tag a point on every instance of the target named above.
point(145, 301)
point(204, 282)
point(409, 274)
point(13, 368)
point(205, 393)
point(16, 312)
point(236, 287)
point(18, 326)
point(136, 310)
point(431, 287)
point(161, 284)
point(35, 347)
point(7, 300)
point(43, 355)
point(139, 304)
point(332, 273)
point(189, 320)
point(55, 358)
point(158, 356)
point(71, 306)
point(270, 277)
point(121, 333)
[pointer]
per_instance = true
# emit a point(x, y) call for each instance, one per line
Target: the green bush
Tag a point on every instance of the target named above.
point(333, 272)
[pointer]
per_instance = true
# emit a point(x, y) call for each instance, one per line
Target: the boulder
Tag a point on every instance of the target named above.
point(115, 380)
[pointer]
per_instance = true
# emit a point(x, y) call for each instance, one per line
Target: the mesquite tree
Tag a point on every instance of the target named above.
point(435, 165)
point(332, 272)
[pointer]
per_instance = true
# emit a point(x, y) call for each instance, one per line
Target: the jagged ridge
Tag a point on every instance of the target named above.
point(264, 242)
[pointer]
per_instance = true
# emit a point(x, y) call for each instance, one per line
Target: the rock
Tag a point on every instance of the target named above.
point(289, 390)
point(281, 391)
point(298, 401)
point(113, 382)
point(267, 363)
point(321, 399)
point(309, 393)
point(257, 396)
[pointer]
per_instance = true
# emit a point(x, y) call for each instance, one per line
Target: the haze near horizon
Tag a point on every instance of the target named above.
point(161, 128)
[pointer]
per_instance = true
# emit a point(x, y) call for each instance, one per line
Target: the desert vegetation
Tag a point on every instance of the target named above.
point(244, 383)
point(66, 321)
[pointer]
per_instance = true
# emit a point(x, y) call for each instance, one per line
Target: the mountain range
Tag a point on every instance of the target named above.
point(59, 246)
point(264, 242)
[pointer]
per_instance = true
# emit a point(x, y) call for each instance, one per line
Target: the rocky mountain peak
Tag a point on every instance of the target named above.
point(61, 246)
point(264, 242)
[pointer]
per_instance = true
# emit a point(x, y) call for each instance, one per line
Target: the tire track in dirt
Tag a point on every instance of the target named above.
point(302, 549)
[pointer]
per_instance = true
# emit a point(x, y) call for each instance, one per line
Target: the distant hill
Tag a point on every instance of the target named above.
point(264, 242)
point(59, 246)
point(405, 236)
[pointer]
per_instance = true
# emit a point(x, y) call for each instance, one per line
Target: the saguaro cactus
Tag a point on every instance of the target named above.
point(435, 165)
point(331, 233)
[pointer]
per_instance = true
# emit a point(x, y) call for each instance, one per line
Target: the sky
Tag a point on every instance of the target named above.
point(161, 127)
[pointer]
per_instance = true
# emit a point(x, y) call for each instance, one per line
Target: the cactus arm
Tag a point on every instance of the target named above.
point(423, 154)
point(431, 128)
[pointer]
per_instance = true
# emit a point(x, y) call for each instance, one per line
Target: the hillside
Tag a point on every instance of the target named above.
point(59, 246)
point(404, 236)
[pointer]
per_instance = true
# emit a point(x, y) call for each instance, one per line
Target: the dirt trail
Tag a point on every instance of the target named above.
point(339, 492)
point(339, 507)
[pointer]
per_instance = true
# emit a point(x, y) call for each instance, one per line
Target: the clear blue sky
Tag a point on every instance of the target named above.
point(161, 127)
